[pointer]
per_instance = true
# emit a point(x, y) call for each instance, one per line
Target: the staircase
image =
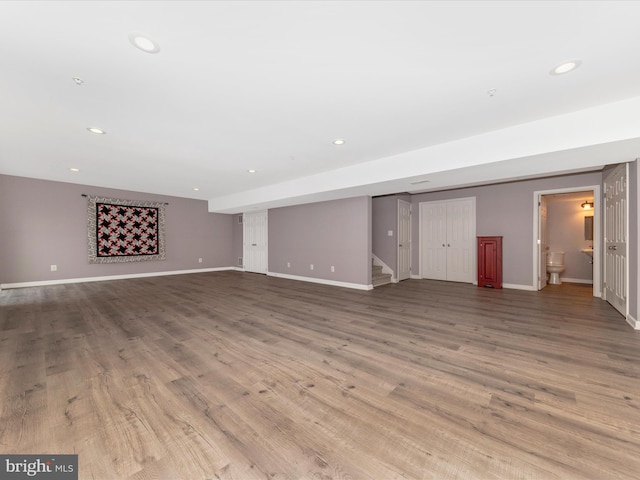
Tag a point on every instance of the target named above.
point(377, 277)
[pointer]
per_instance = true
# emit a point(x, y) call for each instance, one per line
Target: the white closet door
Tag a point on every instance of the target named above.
point(255, 241)
point(615, 241)
point(433, 239)
point(460, 241)
point(447, 240)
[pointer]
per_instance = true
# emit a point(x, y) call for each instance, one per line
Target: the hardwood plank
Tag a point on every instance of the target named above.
point(238, 376)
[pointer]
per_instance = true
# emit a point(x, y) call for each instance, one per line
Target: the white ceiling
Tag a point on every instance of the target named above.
point(269, 85)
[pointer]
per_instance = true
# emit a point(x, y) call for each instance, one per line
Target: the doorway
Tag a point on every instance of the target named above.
point(569, 220)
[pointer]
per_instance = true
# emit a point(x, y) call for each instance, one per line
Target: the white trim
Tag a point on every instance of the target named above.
point(394, 278)
point(44, 283)
point(627, 221)
point(633, 322)
point(416, 277)
point(357, 286)
point(385, 268)
point(576, 280)
point(597, 232)
point(516, 286)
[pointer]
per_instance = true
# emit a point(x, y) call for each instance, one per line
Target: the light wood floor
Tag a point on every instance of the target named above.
point(240, 376)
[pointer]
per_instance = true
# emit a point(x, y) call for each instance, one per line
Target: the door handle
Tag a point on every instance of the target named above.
point(254, 244)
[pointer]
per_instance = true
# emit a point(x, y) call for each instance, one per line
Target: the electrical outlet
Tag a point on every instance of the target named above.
point(333, 269)
point(199, 260)
point(288, 264)
point(390, 233)
point(54, 268)
point(311, 266)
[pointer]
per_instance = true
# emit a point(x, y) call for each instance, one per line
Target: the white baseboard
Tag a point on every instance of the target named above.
point(633, 322)
point(513, 286)
point(516, 286)
point(357, 286)
point(576, 280)
point(63, 281)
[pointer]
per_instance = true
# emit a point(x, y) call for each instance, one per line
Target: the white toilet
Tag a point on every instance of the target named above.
point(555, 266)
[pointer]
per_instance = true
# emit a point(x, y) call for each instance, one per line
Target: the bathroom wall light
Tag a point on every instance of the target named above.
point(587, 205)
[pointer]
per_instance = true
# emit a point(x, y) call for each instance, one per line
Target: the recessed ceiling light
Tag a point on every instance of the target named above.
point(338, 142)
point(78, 80)
point(251, 170)
point(144, 43)
point(565, 67)
point(73, 169)
point(195, 189)
point(97, 131)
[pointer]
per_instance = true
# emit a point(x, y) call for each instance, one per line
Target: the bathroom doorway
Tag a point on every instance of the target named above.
point(569, 220)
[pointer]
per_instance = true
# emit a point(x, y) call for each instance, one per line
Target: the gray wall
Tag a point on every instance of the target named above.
point(44, 223)
point(237, 236)
point(334, 233)
point(385, 218)
point(565, 227)
point(507, 210)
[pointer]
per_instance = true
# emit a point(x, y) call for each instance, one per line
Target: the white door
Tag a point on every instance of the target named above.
point(404, 240)
point(543, 242)
point(460, 241)
point(447, 240)
point(255, 235)
point(615, 241)
point(433, 240)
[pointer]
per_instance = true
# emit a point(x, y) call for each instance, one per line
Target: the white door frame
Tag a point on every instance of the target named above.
point(400, 201)
point(597, 234)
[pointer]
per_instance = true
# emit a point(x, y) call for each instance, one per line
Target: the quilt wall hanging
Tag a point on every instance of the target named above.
point(125, 230)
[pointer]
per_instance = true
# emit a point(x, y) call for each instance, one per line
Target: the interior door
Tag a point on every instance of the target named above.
point(254, 238)
point(404, 240)
point(543, 242)
point(460, 241)
point(447, 240)
point(433, 240)
point(615, 241)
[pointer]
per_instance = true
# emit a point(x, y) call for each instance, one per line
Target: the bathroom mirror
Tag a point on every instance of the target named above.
point(588, 227)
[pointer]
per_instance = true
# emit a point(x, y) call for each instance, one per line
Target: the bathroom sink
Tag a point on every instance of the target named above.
point(588, 252)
